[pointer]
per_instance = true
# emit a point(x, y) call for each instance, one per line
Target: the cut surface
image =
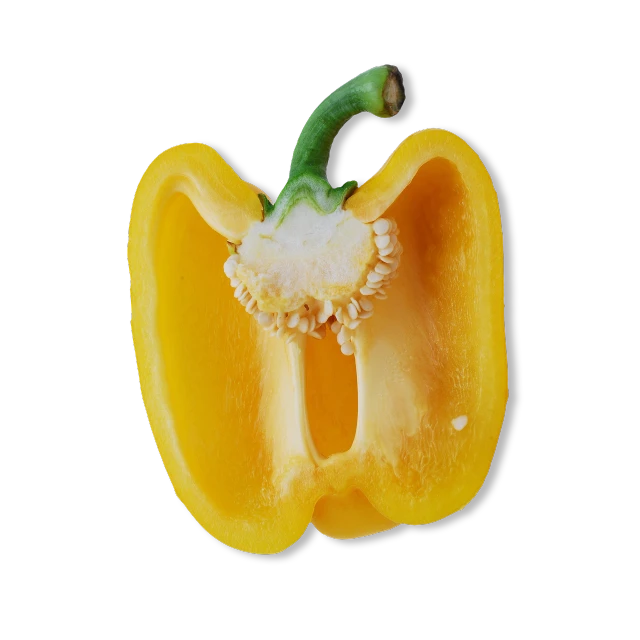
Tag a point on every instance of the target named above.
point(258, 435)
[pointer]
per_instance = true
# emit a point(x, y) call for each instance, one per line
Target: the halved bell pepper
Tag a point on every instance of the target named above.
point(263, 426)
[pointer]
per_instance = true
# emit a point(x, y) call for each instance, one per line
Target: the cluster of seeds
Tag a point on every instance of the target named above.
point(342, 317)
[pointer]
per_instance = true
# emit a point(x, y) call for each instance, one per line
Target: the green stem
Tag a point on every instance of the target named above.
point(378, 91)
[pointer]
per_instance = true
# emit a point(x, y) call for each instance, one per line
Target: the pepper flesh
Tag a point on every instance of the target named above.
point(259, 437)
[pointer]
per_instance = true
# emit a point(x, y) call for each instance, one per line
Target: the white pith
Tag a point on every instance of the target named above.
point(315, 272)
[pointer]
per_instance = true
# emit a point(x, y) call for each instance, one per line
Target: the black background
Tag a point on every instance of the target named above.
point(249, 119)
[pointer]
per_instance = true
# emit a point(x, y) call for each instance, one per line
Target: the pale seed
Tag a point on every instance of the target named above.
point(381, 226)
point(230, 267)
point(352, 311)
point(366, 291)
point(328, 308)
point(347, 349)
point(265, 319)
point(366, 314)
point(374, 276)
point(356, 304)
point(303, 325)
point(383, 268)
point(366, 304)
point(292, 320)
point(382, 241)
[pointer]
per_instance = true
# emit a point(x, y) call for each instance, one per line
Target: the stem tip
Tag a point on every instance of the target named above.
point(393, 91)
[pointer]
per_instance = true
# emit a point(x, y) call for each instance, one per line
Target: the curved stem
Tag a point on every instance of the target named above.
point(378, 91)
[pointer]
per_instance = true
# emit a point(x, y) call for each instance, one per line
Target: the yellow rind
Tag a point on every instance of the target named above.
point(227, 203)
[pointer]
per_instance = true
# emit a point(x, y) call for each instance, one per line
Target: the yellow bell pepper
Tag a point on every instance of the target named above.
point(263, 426)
